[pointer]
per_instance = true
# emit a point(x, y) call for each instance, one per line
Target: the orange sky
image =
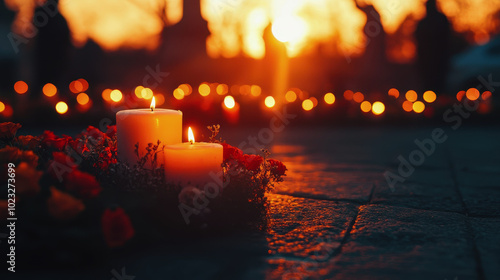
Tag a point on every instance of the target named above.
point(237, 25)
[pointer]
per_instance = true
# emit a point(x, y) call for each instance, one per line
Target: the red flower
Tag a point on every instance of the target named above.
point(61, 165)
point(116, 227)
point(106, 158)
point(94, 132)
point(277, 167)
point(82, 183)
point(28, 142)
point(111, 132)
point(231, 152)
point(79, 146)
point(49, 139)
point(8, 130)
point(252, 162)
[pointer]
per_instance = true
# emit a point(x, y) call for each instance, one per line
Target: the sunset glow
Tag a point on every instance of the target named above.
point(237, 26)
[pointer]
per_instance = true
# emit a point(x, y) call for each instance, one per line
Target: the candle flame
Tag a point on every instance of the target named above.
point(153, 104)
point(190, 135)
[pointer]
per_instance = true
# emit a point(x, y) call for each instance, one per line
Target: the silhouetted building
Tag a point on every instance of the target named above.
point(433, 48)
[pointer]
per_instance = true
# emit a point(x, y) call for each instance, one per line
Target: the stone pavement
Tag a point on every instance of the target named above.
point(441, 222)
point(336, 217)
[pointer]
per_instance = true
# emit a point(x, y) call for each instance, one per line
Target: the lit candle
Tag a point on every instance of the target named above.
point(193, 163)
point(145, 126)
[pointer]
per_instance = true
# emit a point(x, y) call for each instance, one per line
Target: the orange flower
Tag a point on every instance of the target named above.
point(8, 130)
point(27, 178)
point(63, 206)
point(116, 227)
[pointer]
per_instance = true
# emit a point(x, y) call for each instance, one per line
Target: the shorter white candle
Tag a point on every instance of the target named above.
point(194, 164)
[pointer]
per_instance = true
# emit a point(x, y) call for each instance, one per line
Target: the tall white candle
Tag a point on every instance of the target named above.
point(194, 164)
point(145, 126)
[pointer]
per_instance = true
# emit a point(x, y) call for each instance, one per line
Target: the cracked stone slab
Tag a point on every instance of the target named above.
point(488, 243)
point(400, 243)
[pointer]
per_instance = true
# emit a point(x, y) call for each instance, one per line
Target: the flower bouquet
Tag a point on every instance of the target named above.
point(72, 193)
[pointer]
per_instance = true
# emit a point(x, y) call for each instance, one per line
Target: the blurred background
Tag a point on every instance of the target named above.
point(232, 62)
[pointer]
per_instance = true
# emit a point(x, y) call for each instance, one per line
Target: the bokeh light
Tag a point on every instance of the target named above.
point(2, 107)
point(76, 86)
point(486, 95)
point(20, 87)
point(472, 94)
point(269, 102)
point(418, 107)
point(407, 106)
point(49, 90)
point(82, 98)
point(178, 94)
point(204, 89)
point(393, 92)
point(378, 108)
point(314, 101)
point(138, 91)
point(61, 107)
point(307, 105)
point(358, 97)
point(366, 106)
point(329, 98)
point(429, 96)
point(8, 111)
point(147, 93)
point(255, 90)
point(229, 102)
point(159, 99)
point(411, 95)
point(460, 95)
point(245, 89)
point(222, 89)
point(348, 94)
point(116, 95)
point(186, 88)
point(106, 94)
point(84, 83)
point(290, 96)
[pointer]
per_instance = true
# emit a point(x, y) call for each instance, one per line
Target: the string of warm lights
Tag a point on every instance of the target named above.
point(410, 99)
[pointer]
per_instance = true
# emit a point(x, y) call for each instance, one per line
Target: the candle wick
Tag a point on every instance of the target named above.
point(191, 141)
point(151, 109)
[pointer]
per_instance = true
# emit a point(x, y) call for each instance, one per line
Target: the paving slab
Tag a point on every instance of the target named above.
point(487, 238)
point(419, 196)
point(321, 180)
point(303, 234)
point(390, 242)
